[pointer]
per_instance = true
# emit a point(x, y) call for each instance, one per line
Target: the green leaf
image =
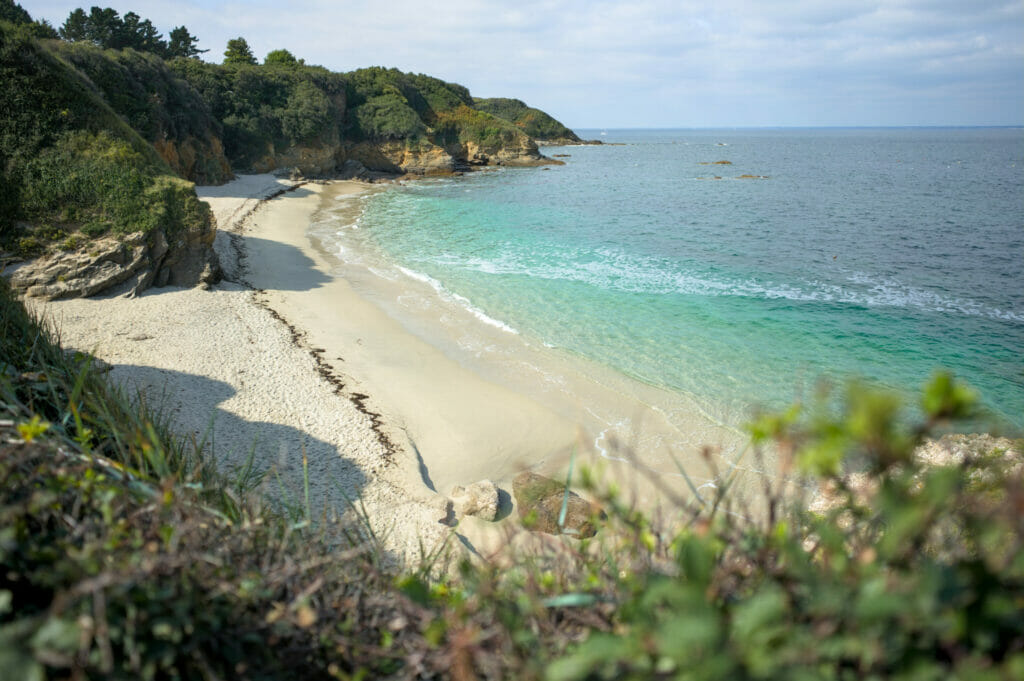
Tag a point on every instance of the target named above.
point(944, 398)
point(57, 637)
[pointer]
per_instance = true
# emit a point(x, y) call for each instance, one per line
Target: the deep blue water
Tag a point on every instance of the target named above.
point(876, 253)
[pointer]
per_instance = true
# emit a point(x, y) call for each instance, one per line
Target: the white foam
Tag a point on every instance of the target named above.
point(464, 302)
point(617, 271)
point(603, 451)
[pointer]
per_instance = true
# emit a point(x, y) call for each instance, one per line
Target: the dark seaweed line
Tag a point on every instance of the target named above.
point(298, 338)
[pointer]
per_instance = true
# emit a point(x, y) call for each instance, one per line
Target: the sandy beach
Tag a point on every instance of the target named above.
point(293, 353)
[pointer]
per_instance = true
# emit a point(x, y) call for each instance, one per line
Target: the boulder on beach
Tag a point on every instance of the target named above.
point(539, 500)
point(479, 500)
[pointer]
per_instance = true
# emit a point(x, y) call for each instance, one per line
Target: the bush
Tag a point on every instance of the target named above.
point(534, 122)
point(103, 179)
point(464, 124)
point(141, 88)
point(387, 116)
point(122, 555)
point(263, 108)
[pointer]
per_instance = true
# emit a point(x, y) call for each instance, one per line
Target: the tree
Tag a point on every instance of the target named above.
point(14, 13)
point(238, 52)
point(76, 26)
point(105, 28)
point(44, 29)
point(140, 34)
point(181, 44)
point(282, 58)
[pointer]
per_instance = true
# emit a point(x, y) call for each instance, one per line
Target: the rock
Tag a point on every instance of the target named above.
point(136, 261)
point(952, 449)
point(479, 500)
point(101, 264)
point(199, 160)
point(539, 500)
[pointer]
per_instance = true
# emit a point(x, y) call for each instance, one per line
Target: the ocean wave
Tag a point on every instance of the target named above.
point(617, 271)
point(464, 302)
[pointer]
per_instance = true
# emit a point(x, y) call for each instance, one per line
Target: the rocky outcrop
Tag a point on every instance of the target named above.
point(523, 154)
point(479, 500)
point(136, 261)
point(565, 142)
point(198, 160)
point(422, 157)
point(398, 156)
point(304, 160)
point(539, 500)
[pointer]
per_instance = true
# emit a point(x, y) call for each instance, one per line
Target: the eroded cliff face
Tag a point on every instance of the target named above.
point(134, 262)
point(400, 157)
point(307, 160)
point(523, 153)
point(423, 157)
point(197, 160)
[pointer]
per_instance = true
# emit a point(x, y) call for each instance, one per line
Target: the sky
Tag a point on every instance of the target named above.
point(654, 63)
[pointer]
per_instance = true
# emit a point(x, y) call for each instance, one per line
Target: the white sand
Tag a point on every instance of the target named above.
point(230, 372)
point(400, 415)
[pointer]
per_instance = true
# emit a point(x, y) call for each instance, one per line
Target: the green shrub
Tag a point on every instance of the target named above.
point(464, 124)
point(141, 88)
point(387, 116)
point(534, 122)
point(105, 180)
point(262, 108)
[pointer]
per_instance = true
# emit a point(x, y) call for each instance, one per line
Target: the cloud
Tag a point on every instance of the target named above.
point(659, 62)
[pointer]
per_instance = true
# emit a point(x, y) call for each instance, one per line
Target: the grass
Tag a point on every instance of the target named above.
point(125, 555)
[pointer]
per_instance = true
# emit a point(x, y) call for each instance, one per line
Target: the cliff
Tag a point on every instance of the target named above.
point(162, 108)
point(538, 125)
point(98, 149)
point(85, 197)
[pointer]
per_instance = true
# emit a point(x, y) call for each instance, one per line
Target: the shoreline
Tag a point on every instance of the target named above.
point(600, 416)
point(300, 354)
point(228, 373)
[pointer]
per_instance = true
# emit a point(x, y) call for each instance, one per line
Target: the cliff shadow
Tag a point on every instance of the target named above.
point(262, 187)
point(272, 265)
point(232, 443)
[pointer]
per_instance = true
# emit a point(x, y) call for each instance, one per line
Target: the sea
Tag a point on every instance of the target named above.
point(746, 269)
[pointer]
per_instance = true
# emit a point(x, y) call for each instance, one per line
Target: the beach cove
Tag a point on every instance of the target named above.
point(284, 359)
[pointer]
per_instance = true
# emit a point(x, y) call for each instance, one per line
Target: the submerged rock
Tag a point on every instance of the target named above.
point(539, 500)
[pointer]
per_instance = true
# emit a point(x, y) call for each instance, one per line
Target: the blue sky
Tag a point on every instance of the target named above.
point(656, 63)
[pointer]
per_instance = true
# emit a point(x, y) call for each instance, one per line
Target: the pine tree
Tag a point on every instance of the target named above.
point(180, 43)
point(238, 52)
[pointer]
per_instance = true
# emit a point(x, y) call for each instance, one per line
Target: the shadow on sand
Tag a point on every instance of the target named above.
point(231, 442)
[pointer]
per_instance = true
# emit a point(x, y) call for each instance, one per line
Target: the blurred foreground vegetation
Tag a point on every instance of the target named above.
point(125, 554)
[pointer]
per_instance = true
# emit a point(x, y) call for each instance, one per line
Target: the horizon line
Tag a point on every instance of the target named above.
point(798, 127)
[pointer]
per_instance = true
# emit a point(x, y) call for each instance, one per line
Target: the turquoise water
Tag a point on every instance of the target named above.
point(876, 253)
